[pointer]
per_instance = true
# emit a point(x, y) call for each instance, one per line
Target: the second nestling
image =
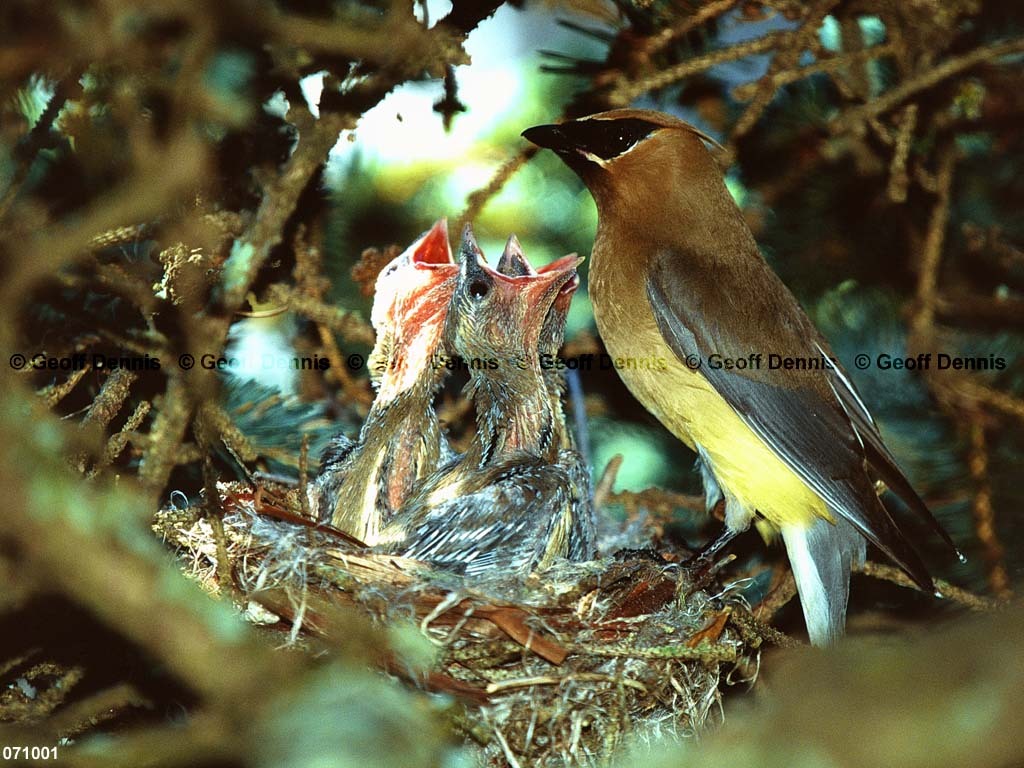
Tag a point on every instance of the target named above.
point(517, 499)
point(520, 496)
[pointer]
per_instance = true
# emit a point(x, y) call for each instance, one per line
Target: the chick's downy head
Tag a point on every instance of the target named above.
point(411, 301)
point(500, 314)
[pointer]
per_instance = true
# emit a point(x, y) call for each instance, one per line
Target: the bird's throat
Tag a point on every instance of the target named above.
point(514, 416)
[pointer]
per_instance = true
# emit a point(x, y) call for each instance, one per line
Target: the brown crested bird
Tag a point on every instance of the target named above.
point(677, 279)
point(363, 482)
point(508, 504)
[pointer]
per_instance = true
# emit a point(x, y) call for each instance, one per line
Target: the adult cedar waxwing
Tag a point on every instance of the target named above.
point(677, 276)
point(361, 483)
point(508, 504)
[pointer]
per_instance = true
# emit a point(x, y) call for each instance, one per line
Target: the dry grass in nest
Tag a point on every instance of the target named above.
point(560, 667)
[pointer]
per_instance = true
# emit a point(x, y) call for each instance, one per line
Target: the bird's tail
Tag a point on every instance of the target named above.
point(822, 556)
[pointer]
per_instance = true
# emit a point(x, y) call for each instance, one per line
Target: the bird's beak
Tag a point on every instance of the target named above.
point(573, 142)
point(567, 290)
point(515, 273)
point(472, 262)
point(432, 290)
point(426, 287)
point(553, 283)
point(515, 280)
point(513, 261)
point(550, 137)
point(549, 290)
point(432, 249)
point(410, 307)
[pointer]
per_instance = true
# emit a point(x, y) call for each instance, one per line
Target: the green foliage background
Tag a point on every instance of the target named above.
point(163, 168)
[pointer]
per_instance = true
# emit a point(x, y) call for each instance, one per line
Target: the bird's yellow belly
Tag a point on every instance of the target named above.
point(749, 473)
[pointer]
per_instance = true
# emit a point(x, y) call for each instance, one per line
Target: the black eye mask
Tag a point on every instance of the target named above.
point(609, 138)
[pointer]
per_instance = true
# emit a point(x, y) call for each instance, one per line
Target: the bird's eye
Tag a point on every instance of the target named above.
point(390, 270)
point(478, 289)
point(622, 141)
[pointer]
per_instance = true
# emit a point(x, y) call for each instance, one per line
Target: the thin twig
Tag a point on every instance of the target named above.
point(31, 144)
point(822, 65)
point(304, 477)
point(626, 91)
point(54, 393)
point(922, 325)
point(349, 324)
point(984, 514)
point(786, 58)
point(606, 484)
point(111, 399)
point(957, 594)
point(967, 389)
point(898, 177)
point(479, 198)
point(660, 503)
point(670, 34)
point(852, 118)
point(583, 677)
point(778, 596)
point(279, 200)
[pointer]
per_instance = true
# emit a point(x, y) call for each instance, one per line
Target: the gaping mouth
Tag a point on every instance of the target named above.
point(569, 288)
point(426, 267)
point(515, 267)
point(551, 284)
point(433, 249)
point(566, 264)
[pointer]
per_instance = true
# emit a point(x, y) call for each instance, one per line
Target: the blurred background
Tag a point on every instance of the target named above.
point(226, 179)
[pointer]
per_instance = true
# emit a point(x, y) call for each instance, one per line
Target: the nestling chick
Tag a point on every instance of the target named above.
point(513, 263)
point(362, 483)
point(677, 275)
point(508, 505)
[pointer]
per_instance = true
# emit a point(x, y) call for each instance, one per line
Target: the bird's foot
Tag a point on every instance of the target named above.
point(702, 566)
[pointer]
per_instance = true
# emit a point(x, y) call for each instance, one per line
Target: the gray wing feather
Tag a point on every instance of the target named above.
point(805, 425)
point(505, 525)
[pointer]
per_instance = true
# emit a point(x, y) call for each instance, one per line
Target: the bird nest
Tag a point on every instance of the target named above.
point(564, 665)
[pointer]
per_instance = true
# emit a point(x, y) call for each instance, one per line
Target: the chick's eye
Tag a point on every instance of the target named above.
point(478, 289)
